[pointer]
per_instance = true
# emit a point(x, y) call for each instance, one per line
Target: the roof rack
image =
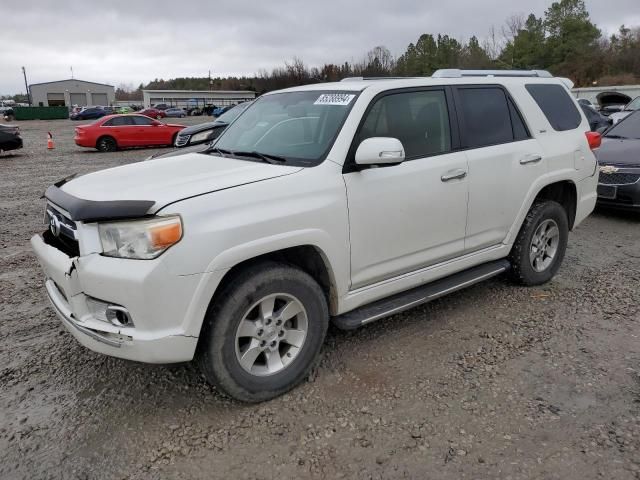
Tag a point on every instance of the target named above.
point(457, 73)
point(359, 79)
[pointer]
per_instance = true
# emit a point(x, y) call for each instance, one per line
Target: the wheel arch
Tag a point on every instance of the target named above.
point(309, 258)
point(565, 193)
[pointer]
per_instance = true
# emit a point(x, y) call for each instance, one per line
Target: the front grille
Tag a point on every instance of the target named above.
point(618, 178)
point(182, 140)
point(61, 233)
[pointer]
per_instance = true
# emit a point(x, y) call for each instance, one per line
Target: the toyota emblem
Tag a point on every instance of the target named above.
point(54, 225)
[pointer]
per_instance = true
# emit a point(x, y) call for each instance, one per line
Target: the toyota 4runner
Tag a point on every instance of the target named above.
point(344, 202)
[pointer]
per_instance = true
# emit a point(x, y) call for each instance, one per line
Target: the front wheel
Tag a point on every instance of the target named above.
point(263, 332)
point(540, 246)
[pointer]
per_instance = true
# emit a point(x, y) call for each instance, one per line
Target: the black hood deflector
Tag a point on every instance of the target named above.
point(91, 210)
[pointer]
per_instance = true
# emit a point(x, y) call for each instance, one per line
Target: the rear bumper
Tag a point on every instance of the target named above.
point(13, 144)
point(158, 313)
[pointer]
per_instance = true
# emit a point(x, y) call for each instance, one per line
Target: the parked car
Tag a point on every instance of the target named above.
point(207, 132)
point(597, 121)
point(88, 114)
point(348, 201)
point(612, 102)
point(153, 113)
point(619, 160)
point(175, 112)
point(627, 110)
point(9, 138)
point(7, 113)
point(122, 131)
point(220, 110)
point(124, 110)
point(161, 106)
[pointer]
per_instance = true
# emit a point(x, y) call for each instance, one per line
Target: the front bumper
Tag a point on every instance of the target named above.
point(157, 301)
point(625, 197)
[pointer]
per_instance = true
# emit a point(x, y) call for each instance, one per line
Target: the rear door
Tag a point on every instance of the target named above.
point(504, 161)
point(119, 128)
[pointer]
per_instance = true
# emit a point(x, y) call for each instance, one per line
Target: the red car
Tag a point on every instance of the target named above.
point(111, 132)
point(153, 113)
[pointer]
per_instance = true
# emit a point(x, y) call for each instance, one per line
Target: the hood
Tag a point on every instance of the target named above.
point(612, 98)
point(622, 152)
point(617, 116)
point(169, 179)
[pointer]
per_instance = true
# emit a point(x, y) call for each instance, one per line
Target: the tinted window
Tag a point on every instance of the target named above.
point(627, 128)
point(485, 116)
point(141, 120)
point(420, 120)
point(118, 122)
point(557, 106)
point(520, 131)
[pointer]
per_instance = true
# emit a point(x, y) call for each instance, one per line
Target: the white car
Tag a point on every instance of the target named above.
point(346, 201)
point(628, 109)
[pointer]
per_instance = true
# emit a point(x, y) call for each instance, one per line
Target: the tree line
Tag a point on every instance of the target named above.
point(564, 41)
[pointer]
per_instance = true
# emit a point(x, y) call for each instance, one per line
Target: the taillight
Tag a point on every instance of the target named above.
point(594, 139)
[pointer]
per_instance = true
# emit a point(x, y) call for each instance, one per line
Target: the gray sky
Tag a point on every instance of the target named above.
point(136, 41)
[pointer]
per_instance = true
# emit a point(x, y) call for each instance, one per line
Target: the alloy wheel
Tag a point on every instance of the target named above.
point(544, 245)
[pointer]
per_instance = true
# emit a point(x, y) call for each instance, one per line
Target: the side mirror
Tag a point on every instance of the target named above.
point(156, 123)
point(380, 151)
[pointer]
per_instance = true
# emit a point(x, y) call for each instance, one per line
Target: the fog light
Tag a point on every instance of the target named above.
point(108, 312)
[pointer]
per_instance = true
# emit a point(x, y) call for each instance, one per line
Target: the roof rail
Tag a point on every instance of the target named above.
point(457, 73)
point(359, 79)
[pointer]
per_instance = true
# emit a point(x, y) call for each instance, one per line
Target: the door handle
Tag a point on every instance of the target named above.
point(530, 159)
point(453, 175)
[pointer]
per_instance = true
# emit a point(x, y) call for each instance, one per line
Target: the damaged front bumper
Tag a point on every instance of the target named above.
point(156, 300)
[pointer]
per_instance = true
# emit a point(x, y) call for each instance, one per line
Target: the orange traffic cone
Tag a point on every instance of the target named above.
point(50, 145)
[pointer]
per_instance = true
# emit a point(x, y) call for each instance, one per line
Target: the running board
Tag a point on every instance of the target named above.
point(417, 296)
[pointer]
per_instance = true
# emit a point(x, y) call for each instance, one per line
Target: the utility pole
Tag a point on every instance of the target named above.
point(26, 86)
point(71, 72)
point(210, 81)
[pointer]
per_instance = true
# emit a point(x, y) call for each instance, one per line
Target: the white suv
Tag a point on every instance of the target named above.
point(346, 201)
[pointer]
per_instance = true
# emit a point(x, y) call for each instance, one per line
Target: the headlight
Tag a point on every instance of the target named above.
point(201, 137)
point(140, 239)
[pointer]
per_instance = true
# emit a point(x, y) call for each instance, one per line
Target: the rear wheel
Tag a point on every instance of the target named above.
point(540, 246)
point(264, 332)
point(107, 144)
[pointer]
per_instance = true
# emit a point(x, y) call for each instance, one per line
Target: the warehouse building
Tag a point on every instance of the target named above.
point(70, 93)
point(196, 98)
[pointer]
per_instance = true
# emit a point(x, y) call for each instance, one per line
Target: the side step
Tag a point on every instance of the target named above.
point(411, 298)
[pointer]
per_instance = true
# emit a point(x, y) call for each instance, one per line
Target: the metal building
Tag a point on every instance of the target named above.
point(196, 98)
point(71, 92)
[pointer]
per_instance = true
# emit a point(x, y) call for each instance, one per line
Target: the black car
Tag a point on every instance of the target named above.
point(91, 113)
point(9, 138)
point(619, 160)
point(207, 132)
point(597, 121)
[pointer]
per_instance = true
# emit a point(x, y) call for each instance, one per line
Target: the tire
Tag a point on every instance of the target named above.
point(239, 303)
point(107, 144)
point(540, 245)
point(173, 140)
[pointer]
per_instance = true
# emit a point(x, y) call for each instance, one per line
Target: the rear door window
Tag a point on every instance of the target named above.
point(556, 104)
point(486, 117)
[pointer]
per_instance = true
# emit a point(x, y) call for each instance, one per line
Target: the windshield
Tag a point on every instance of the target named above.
point(633, 104)
point(627, 128)
point(299, 127)
point(231, 114)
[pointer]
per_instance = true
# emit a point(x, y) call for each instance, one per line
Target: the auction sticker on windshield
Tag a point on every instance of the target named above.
point(334, 99)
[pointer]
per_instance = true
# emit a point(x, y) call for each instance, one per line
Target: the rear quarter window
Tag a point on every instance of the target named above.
point(557, 106)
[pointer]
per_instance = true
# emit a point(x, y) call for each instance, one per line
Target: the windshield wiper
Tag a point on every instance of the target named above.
point(617, 136)
point(265, 157)
point(220, 151)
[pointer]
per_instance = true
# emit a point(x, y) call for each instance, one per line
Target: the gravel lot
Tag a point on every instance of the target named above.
point(496, 381)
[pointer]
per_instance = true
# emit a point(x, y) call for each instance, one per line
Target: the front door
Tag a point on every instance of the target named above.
point(411, 215)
